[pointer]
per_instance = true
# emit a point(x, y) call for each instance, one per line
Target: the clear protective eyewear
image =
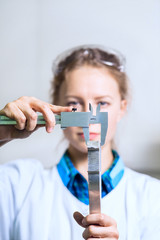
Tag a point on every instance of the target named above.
point(86, 49)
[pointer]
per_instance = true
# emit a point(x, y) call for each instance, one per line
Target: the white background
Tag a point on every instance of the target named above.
point(33, 32)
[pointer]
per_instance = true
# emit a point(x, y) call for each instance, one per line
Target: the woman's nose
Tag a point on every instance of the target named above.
point(86, 107)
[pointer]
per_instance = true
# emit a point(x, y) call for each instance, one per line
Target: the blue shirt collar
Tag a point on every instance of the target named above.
point(78, 185)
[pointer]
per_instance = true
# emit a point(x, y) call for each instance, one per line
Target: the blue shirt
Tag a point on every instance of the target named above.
point(78, 185)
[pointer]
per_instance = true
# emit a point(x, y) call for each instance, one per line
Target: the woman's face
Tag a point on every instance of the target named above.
point(93, 85)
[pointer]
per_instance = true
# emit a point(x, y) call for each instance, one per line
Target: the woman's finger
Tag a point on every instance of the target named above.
point(59, 109)
point(39, 105)
point(48, 111)
point(48, 116)
point(12, 111)
point(31, 117)
point(94, 231)
point(78, 217)
point(100, 219)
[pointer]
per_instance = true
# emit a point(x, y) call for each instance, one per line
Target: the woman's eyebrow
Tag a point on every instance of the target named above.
point(72, 96)
point(104, 96)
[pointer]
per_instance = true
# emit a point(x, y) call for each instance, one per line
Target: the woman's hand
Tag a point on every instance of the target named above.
point(97, 226)
point(24, 111)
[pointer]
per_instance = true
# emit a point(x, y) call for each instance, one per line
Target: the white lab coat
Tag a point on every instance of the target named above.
point(35, 205)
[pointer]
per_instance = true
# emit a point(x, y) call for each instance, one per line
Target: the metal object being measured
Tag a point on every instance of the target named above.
point(94, 176)
point(83, 119)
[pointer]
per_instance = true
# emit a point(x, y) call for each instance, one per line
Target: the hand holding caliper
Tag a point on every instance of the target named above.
point(83, 119)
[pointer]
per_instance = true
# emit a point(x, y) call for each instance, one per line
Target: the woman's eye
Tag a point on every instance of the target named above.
point(72, 103)
point(103, 103)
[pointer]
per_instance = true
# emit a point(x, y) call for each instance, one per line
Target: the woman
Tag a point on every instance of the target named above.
point(39, 204)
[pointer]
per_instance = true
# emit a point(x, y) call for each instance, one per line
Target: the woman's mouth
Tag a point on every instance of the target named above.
point(92, 135)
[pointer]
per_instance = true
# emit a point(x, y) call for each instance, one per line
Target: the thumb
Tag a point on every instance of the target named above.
point(78, 217)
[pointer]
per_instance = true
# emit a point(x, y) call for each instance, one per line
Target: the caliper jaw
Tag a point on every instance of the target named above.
point(100, 118)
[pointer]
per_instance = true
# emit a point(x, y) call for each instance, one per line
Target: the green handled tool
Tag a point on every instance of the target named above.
point(40, 120)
